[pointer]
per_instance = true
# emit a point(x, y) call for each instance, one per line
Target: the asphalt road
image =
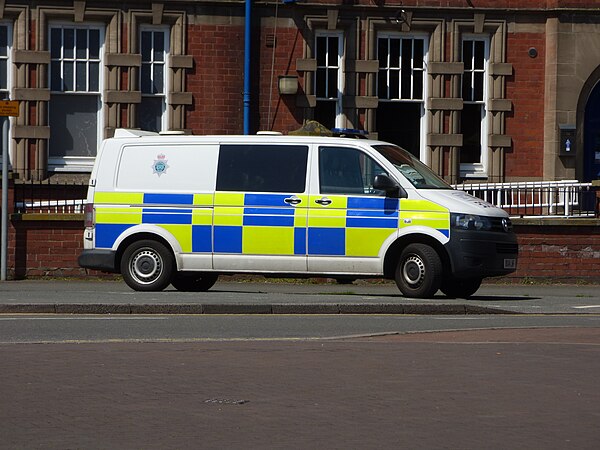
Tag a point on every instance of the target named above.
point(523, 376)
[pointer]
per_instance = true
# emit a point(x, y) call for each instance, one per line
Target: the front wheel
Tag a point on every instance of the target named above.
point(147, 266)
point(419, 271)
point(460, 288)
point(194, 281)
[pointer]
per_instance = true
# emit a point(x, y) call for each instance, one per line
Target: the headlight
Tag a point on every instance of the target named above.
point(470, 222)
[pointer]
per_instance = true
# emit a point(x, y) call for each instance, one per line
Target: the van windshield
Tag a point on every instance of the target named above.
point(419, 175)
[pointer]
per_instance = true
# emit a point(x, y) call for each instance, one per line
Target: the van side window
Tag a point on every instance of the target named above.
point(345, 170)
point(262, 168)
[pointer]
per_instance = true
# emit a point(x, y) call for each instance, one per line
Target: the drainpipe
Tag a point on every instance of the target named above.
point(247, 49)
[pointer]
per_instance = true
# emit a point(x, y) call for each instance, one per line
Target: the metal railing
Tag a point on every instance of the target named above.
point(46, 197)
point(568, 198)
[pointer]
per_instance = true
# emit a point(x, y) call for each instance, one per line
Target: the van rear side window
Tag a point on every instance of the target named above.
point(262, 168)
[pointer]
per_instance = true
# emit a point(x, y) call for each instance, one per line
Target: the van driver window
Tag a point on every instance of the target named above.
point(345, 170)
point(262, 168)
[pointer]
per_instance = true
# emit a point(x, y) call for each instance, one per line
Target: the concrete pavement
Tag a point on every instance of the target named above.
point(285, 297)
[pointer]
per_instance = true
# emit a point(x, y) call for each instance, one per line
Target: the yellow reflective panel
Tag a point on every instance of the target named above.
point(119, 198)
point(183, 235)
point(202, 216)
point(229, 216)
point(268, 241)
point(203, 199)
point(132, 216)
point(366, 241)
point(229, 199)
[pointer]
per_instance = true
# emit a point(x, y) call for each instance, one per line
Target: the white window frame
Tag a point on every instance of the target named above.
point(479, 169)
point(339, 112)
point(167, 79)
point(423, 154)
point(80, 163)
point(5, 93)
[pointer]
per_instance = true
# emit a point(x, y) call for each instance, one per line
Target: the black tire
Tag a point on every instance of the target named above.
point(460, 287)
point(194, 281)
point(147, 266)
point(419, 271)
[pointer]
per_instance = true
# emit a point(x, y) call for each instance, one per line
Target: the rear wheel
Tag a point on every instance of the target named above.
point(460, 288)
point(147, 266)
point(419, 271)
point(194, 281)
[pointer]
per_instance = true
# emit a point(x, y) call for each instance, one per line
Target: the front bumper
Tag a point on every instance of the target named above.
point(480, 254)
point(104, 260)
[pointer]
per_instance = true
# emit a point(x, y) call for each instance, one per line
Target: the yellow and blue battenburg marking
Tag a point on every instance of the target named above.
point(266, 224)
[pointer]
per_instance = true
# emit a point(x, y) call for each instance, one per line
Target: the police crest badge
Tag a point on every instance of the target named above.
point(160, 165)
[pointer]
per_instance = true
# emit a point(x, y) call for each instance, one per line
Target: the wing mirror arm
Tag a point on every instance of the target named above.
point(392, 189)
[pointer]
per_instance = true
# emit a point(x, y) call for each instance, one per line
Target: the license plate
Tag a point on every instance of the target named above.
point(510, 263)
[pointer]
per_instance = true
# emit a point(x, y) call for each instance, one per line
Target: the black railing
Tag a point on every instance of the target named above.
point(49, 197)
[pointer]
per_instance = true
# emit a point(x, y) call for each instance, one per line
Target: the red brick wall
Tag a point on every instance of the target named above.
point(51, 248)
point(40, 248)
point(217, 79)
point(525, 124)
point(559, 252)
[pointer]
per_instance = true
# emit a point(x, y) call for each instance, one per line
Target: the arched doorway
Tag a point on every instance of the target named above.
point(591, 137)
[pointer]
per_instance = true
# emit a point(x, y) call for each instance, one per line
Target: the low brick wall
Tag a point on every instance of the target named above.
point(550, 249)
point(558, 249)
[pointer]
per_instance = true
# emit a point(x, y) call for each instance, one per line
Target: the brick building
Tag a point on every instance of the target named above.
point(491, 90)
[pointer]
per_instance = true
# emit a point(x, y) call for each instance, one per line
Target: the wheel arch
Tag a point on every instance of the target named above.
point(142, 235)
point(393, 253)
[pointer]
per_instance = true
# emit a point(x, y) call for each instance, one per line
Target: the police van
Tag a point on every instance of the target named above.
point(181, 210)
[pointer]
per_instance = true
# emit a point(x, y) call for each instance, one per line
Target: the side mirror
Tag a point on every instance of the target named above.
point(392, 189)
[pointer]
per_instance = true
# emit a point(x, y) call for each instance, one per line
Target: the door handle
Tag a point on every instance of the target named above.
point(323, 201)
point(293, 200)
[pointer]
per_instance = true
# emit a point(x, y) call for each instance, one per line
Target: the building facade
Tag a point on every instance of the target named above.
point(480, 90)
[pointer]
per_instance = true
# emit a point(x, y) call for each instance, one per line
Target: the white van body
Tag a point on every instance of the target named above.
point(168, 209)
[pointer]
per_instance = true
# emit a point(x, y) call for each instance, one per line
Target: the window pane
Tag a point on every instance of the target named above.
point(159, 46)
point(146, 80)
point(94, 77)
point(419, 54)
point(69, 41)
point(340, 171)
point(321, 80)
point(3, 74)
point(406, 78)
point(81, 77)
point(3, 41)
point(332, 88)
point(394, 84)
point(321, 50)
point(471, 131)
point(68, 76)
point(94, 44)
point(55, 43)
point(479, 54)
point(146, 46)
point(81, 38)
point(333, 51)
point(73, 121)
point(262, 168)
point(158, 79)
point(467, 93)
point(468, 54)
point(382, 84)
point(150, 113)
point(418, 84)
point(382, 52)
point(478, 88)
point(55, 78)
point(394, 52)
point(325, 113)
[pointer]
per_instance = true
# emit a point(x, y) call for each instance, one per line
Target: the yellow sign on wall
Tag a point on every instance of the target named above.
point(9, 108)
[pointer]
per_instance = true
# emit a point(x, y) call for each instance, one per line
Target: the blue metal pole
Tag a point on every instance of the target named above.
point(247, 49)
